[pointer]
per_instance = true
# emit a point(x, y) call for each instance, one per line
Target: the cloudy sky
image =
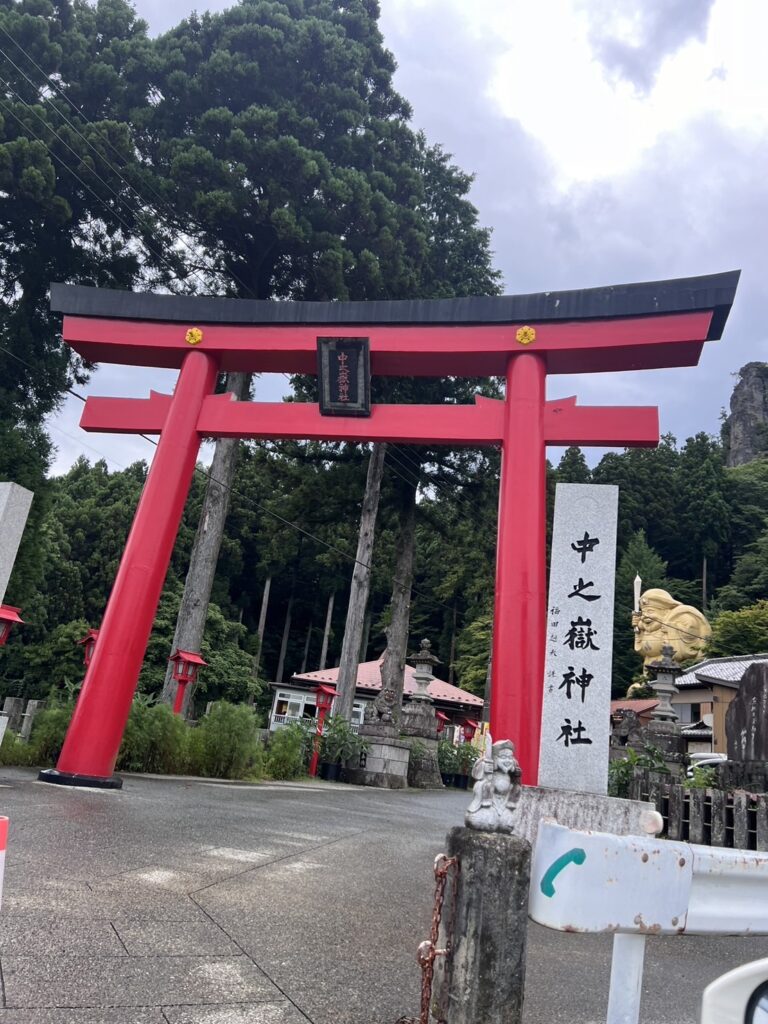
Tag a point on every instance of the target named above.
point(612, 141)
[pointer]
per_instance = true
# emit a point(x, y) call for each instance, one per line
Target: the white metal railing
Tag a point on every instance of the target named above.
point(634, 886)
point(277, 721)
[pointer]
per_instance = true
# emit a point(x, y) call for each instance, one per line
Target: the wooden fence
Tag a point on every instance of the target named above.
point(710, 817)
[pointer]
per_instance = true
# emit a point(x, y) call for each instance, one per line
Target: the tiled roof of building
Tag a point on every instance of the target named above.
point(639, 706)
point(369, 678)
point(718, 670)
point(697, 731)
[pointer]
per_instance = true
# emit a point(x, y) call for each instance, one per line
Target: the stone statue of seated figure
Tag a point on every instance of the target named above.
point(496, 790)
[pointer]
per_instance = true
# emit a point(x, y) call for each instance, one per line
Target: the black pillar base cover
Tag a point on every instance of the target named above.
point(71, 779)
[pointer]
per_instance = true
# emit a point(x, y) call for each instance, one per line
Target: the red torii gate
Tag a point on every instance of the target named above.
point(521, 337)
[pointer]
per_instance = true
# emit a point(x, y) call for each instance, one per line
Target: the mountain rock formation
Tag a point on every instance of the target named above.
point(745, 431)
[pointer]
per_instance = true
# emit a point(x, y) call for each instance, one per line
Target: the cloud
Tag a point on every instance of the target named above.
point(632, 38)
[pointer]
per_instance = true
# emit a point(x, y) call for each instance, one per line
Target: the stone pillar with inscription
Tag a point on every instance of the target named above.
point(14, 509)
point(575, 724)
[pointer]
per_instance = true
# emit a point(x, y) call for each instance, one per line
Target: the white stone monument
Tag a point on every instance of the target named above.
point(14, 509)
point(575, 724)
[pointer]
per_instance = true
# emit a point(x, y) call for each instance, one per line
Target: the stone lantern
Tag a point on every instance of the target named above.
point(663, 731)
point(423, 661)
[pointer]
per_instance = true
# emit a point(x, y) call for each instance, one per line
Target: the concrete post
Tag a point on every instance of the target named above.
point(33, 707)
point(481, 980)
point(14, 708)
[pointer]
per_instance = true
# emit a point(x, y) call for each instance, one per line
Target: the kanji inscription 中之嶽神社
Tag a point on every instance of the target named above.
point(575, 723)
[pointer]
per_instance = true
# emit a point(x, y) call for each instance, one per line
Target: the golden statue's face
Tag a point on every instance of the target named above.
point(649, 622)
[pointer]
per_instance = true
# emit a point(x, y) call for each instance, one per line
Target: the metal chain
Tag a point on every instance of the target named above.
point(428, 952)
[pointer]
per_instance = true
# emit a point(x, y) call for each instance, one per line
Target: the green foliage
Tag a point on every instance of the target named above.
point(15, 751)
point(48, 732)
point(466, 755)
point(474, 651)
point(155, 740)
point(224, 744)
point(287, 752)
point(741, 632)
point(339, 743)
point(621, 771)
point(702, 777)
point(573, 468)
point(447, 756)
point(638, 559)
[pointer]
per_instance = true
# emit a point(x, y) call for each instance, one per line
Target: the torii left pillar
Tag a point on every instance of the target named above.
point(88, 756)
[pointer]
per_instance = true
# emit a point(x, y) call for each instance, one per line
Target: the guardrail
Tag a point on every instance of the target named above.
point(277, 721)
point(633, 887)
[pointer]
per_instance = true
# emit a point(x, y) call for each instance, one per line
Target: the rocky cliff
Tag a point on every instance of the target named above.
point(745, 431)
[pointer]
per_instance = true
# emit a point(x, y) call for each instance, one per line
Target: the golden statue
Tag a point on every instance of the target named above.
point(661, 620)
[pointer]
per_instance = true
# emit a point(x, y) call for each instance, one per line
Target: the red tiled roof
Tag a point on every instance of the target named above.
point(639, 706)
point(369, 678)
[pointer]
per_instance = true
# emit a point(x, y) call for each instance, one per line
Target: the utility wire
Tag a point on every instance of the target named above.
point(251, 501)
point(142, 200)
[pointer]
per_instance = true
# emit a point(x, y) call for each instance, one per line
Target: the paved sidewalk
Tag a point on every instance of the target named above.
point(198, 902)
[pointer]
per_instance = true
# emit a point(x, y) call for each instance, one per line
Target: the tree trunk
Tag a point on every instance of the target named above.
point(704, 583)
point(366, 634)
point(303, 668)
point(284, 643)
point(393, 664)
point(262, 624)
point(327, 631)
point(190, 622)
point(358, 591)
point(487, 698)
point(452, 655)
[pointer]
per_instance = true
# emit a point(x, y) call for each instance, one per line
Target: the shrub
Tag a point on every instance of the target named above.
point(286, 754)
point(447, 757)
point(155, 740)
point(466, 755)
point(15, 751)
point(702, 777)
point(224, 744)
point(48, 732)
point(622, 770)
point(339, 741)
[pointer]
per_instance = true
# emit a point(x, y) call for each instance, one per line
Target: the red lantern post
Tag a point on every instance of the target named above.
point(88, 644)
point(185, 668)
point(9, 616)
point(469, 728)
point(323, 702)
point(442, 721)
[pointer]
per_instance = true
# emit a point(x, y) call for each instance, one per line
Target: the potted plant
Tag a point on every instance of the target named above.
point(338, 744)
point(447, 761)
point(466, 755)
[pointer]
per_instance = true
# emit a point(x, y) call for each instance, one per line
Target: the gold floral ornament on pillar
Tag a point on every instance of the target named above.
point(525, 335)
point(193, 336)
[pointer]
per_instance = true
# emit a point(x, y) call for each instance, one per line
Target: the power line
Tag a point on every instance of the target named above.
point(105, 139)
